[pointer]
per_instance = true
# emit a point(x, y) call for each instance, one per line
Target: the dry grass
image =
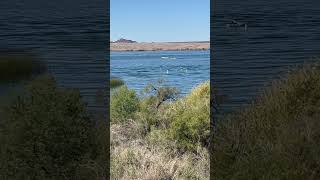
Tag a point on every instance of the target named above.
point(135, 157)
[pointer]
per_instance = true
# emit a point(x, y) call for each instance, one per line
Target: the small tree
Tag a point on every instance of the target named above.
point(151, 113)
point(161, 93)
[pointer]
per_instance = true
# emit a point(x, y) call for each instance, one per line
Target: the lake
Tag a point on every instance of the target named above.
point(280, 35)
point(181, 69)
point(70, 37)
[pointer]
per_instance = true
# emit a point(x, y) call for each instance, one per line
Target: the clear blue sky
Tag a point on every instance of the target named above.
point(160, 20)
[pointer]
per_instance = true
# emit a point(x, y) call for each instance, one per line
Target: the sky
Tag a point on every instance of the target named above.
point(160, 20)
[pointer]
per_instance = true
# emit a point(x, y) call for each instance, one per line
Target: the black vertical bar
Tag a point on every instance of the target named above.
point(212, 84)
point(108, 89)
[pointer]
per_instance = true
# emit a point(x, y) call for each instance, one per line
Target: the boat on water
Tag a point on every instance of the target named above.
point(168, 58)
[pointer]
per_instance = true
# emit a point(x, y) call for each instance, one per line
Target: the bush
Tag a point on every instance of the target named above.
point(45, 134)
point(116, 82)
point(123, 105)
point(153, 107)
point(16, 66)
point(277, 136)
point(190, 125)
point(147, 116)
point(153, 154)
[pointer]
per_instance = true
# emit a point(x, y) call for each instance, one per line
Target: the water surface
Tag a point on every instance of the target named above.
point(181, 69)
point(71, 37)
point(280, 35)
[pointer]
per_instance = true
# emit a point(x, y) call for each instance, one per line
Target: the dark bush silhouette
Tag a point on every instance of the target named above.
point(277, 136)
point(46, 134)
point(16, 65)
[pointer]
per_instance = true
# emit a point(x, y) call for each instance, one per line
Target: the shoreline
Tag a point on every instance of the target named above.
point(160, 46)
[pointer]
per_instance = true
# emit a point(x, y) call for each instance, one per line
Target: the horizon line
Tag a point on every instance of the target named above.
point(204, 41)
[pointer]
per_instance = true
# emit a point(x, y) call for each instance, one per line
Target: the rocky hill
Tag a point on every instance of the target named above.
point(122, 40)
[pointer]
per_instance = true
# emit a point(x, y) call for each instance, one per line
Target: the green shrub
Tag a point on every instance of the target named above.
point(191, 118)
point(123, 105)
point(147, 115)
point(153, 107)
point(45, 134)
point(277, 136)
point(153, 154)
point(116, 82)
point(19, 65)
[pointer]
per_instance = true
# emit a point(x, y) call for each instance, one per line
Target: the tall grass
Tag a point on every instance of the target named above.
point(277, 136)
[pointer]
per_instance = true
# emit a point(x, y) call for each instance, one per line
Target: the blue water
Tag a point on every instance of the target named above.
point(281, 34)
point(71, 37)
point(181, 69)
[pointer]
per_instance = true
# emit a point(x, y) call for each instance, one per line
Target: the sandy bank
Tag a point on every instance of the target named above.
point(163, 46)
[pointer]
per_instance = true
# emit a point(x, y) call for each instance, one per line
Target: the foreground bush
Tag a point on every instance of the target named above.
point(186, 120)
point(190, 125)
point(123, 104)
point(277, 136)
point(46, 134)
point(150, 145)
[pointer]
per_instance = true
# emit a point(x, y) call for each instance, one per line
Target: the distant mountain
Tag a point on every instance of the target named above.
point(122, 40)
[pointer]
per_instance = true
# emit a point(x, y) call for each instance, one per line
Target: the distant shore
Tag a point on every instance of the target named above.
point(160, 46)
